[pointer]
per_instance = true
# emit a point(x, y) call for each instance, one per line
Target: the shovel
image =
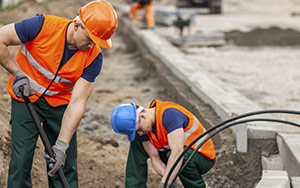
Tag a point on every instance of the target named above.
point(44, 137)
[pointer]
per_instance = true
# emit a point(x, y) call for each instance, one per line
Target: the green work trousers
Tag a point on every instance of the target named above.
point(24, 138)
point(136, 167)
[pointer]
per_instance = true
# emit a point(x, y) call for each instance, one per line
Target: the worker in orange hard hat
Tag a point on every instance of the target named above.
point(57, 64)
point(148, 7)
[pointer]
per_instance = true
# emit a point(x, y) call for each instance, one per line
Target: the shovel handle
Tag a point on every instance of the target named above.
point(44, 137)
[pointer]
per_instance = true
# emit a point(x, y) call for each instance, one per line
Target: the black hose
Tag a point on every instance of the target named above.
point(223, 123)
point(227, 126)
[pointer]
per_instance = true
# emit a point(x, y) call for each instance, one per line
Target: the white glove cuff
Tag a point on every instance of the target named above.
point(61, 145)
point(18, 73)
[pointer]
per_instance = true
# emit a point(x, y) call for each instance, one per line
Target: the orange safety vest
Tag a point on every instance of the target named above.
point(40, 58)
point(191, 132)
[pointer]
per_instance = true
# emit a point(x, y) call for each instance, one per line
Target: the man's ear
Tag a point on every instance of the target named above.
point(77, 24)
point(142, 115)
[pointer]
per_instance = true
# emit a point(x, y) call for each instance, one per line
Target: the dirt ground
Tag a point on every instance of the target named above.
point(102, 153)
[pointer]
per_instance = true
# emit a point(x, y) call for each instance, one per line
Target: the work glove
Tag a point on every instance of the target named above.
point(162, 185)
point(21, 80)
point(60, 156)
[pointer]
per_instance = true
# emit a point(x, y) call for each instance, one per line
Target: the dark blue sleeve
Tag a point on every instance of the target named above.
point(174, 119)
point(143, 138)
point(29, 28)
point(93, 70)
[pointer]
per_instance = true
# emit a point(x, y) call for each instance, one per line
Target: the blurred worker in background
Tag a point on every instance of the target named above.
point(147, 6)
point(57, 64)
point(163, 130)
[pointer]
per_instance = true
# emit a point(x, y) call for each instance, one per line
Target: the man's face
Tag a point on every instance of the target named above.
point(144, 125)
point(82, 38)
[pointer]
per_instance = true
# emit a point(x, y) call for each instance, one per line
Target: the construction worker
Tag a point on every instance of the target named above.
point(147, 6)
point(57, 64)
point(163, 130)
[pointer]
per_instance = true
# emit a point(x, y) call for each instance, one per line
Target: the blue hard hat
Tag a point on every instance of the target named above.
point(124, 120)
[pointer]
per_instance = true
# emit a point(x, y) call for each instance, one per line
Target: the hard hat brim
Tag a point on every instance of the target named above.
point(100, 42)
point(132, 136)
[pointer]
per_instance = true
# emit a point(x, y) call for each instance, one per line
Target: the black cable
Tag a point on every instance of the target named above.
point(230, 125)
point(223, 123)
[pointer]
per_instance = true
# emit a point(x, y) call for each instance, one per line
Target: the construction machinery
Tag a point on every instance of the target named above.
point(214, 6)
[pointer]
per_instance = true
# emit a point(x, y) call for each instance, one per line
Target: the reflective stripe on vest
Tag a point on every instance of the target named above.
point(41, 69)
point(35, 86)
point(192, 130)
point(41, 89)
point(187, 134)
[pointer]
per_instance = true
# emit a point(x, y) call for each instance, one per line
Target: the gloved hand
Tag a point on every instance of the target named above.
point(60, 156)
point(21, 80)
point(162, 185)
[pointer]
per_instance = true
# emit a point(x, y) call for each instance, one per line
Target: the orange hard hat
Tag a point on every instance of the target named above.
point(100, 20)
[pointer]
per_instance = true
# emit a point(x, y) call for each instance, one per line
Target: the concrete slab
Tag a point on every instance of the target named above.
point(272, 163)
point(7, 3)
point(269, 130)
point(274, 179)
point(289, 148)
point(295, 181)
point(201, 39)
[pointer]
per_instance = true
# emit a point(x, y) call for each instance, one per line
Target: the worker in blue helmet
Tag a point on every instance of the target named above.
point(126, 114)
point(160, 132)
